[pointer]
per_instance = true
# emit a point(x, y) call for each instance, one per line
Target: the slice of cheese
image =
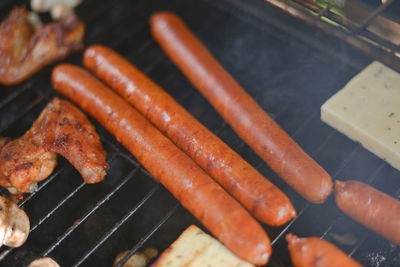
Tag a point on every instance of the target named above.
point(194, 248)
point(367, 110)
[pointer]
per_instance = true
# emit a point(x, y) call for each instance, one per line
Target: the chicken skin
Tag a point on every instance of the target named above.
point(60, 129)
point(26, 46)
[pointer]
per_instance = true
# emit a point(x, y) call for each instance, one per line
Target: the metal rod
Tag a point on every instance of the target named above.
point(276, 239)
point(373, 15)
point(32, 105)
point(11, 97)
point(147, 236)
point(88, 213)
point(117, 225)
point(51, 212)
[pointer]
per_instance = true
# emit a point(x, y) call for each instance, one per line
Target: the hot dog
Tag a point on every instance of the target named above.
point(315, 252)
point(241, 111)
point(264, 200)
point(370, 207)
point(195, 190)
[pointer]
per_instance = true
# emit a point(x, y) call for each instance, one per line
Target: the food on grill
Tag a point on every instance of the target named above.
point(60, 11)
point(14, 224)
point(4, 141)
point(195, 190)
point(241, 111)
point(370, 207)
point(44, 262)
point(263, 199)
point(61, 128)
point(58, 8)
point(139, 259)
point(367, 110)
point(26, 47)
point(194, 248)
point(316, 252)
point(47, 5)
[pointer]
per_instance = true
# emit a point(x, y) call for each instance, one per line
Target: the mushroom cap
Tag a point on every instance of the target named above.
point(44, 262)
point(18, 226)
point(3, 218)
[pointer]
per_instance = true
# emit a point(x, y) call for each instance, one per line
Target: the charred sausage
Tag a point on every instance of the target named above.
point(316, 252)
point(195, 190)
point(239, 109)
point(263, 199)
point(370, 207)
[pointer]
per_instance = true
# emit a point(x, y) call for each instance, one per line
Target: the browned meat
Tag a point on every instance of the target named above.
point(61, 128)
point(25, 47)
point(315, 252)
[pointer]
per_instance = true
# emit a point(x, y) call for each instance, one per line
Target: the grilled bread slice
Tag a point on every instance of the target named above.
point(195, 248)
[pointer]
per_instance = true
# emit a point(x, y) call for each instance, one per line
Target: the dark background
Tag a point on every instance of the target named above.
point(290, 68)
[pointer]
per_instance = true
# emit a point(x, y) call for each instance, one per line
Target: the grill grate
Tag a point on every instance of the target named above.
point(367, 28)
point(275, 57)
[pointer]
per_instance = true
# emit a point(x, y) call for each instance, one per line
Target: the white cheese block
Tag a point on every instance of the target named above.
point(194, 248)
point(367, 110)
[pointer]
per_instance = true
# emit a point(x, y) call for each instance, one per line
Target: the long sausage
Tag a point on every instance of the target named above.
point(195, 190)
point(263, 199)
point(241, 111)
point(315, 252)
point(370, 207)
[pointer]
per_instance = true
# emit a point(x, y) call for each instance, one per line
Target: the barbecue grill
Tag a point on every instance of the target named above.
point(290, 55)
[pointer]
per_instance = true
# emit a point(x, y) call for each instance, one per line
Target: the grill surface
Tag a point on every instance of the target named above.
point(289, 67)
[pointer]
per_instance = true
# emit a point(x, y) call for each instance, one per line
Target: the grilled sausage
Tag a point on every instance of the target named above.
point(264, 200)
point(195, 190)
point(370, 207)
point(315, 252)
point(241, 111)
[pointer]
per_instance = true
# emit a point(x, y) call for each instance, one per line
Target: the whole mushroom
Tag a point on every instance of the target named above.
point(14, 224)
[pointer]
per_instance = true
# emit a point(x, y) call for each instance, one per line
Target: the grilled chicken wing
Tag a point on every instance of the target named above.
point(26, 47)
point(60, 129)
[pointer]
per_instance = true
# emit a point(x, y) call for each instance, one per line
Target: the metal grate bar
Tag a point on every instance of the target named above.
point(121, 40)
point(11, 97)
point(147, 236)
point(287, 227)
point(91, 15)
point(26, 199)
point(23, 113)
point(88, 213)
point(377, 41)
point(68, 197)
point(117, 225)
point(358, 245)
point(41, 186)
point(51, 212)
point(373, 15)
point(109, 27)
point(340, 27)
point(347, 160)
point(146, 43)
point(305, 123)
point(326, 140)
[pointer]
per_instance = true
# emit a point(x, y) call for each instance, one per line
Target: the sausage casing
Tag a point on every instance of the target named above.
point(370, 207)
point(263, 199)
point(316, 252)
point(239, 109)
point(195, 190)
